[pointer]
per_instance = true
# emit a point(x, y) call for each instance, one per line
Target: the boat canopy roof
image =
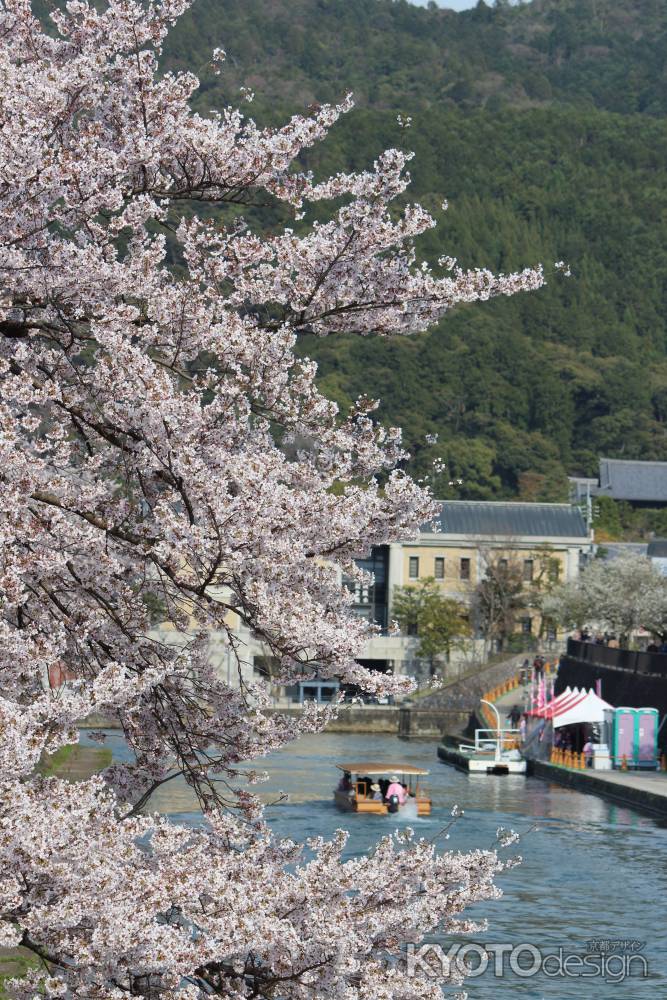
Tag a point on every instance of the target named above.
point(369, 768)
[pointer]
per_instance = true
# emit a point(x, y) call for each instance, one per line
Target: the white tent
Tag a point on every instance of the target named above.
point(558, 704)
point(588, 707)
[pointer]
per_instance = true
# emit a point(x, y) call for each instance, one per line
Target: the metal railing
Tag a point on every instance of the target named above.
point(493, 741)
point(619, 659)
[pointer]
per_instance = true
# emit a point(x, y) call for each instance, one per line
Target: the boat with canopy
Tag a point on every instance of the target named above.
point(370, 787)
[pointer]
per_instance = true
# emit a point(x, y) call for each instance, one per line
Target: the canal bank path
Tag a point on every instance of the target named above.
point(643, 790)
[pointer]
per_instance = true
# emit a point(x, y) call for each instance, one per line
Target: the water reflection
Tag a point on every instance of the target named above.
point(593, 870)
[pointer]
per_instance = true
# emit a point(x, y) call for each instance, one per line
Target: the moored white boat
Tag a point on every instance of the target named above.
point(495, 751)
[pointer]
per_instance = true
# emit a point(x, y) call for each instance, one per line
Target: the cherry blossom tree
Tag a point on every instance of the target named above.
point(621, 595)
point(167, 457)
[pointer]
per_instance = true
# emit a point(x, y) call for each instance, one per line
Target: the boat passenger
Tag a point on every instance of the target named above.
point(345, 783)
point(376, 793)
point(397, 789)
point(364, 786)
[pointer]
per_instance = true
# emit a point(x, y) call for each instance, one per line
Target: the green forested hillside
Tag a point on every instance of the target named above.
point(524, 389)
point(543, 125)
point(607, 53)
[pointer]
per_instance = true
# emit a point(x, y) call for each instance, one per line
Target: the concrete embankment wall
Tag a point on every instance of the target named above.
point(410, 723)
point(453, 709)
point(416, 723)
point(354, 719)
point(98, 722)
point(642, 799)
point(447, 711)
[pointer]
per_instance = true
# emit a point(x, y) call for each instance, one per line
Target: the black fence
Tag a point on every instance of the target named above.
point(620, 659)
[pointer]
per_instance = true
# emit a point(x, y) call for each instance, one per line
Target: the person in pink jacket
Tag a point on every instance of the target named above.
point(396, 788)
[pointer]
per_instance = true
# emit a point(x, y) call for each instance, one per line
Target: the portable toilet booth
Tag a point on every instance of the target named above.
point(623, 737)
point(635, 737)
point(646, 737)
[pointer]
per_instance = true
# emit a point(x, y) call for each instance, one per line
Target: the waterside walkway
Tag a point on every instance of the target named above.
point(645, 791)
point(642, 790)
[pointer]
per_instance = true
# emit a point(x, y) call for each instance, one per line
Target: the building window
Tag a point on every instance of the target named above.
point(414, 567)
point(528, 570)
point(413, 628)
point(502, 565)
point(439, 567)
point(551, 633)
point(465, 569)
point(527, 625)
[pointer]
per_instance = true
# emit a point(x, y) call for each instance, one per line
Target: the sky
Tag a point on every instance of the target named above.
point(452, 4)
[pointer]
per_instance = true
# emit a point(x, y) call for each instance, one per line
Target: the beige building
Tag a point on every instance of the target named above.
point(541, 544)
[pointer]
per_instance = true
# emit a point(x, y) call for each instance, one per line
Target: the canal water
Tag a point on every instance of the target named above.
point(592, 871)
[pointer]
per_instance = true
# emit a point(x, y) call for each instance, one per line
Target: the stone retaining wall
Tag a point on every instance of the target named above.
point(416, 723)
point(464, 694)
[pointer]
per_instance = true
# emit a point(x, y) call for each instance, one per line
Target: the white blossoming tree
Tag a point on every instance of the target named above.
point(153, 416)
point(621, 595)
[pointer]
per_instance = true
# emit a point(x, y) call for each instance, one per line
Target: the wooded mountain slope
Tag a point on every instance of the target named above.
point(607, 53)
point(543, 125)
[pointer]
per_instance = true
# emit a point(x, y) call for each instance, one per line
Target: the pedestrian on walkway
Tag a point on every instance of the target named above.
point(588, 751)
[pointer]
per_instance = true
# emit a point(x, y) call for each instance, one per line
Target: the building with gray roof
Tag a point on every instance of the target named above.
point(643, 484)
point(636, 482)
point(657, 549)
point(490, 519)
point(536, 544)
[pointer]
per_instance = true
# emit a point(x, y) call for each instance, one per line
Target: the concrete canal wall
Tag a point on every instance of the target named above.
point(453, 709)
point(644, 791)
point(422, 723)
point(449, 710)
point(410, 723)
point(354, 718)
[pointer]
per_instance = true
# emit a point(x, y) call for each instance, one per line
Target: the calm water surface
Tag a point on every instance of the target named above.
point(592, 871)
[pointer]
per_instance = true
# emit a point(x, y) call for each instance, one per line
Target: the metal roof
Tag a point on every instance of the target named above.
point(491, 519)
point(625, 480)
point(616, 550)
point(364, 767)
point(657, 548)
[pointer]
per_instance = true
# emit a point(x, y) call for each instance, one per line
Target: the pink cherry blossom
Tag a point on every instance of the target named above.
point(165, 457)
